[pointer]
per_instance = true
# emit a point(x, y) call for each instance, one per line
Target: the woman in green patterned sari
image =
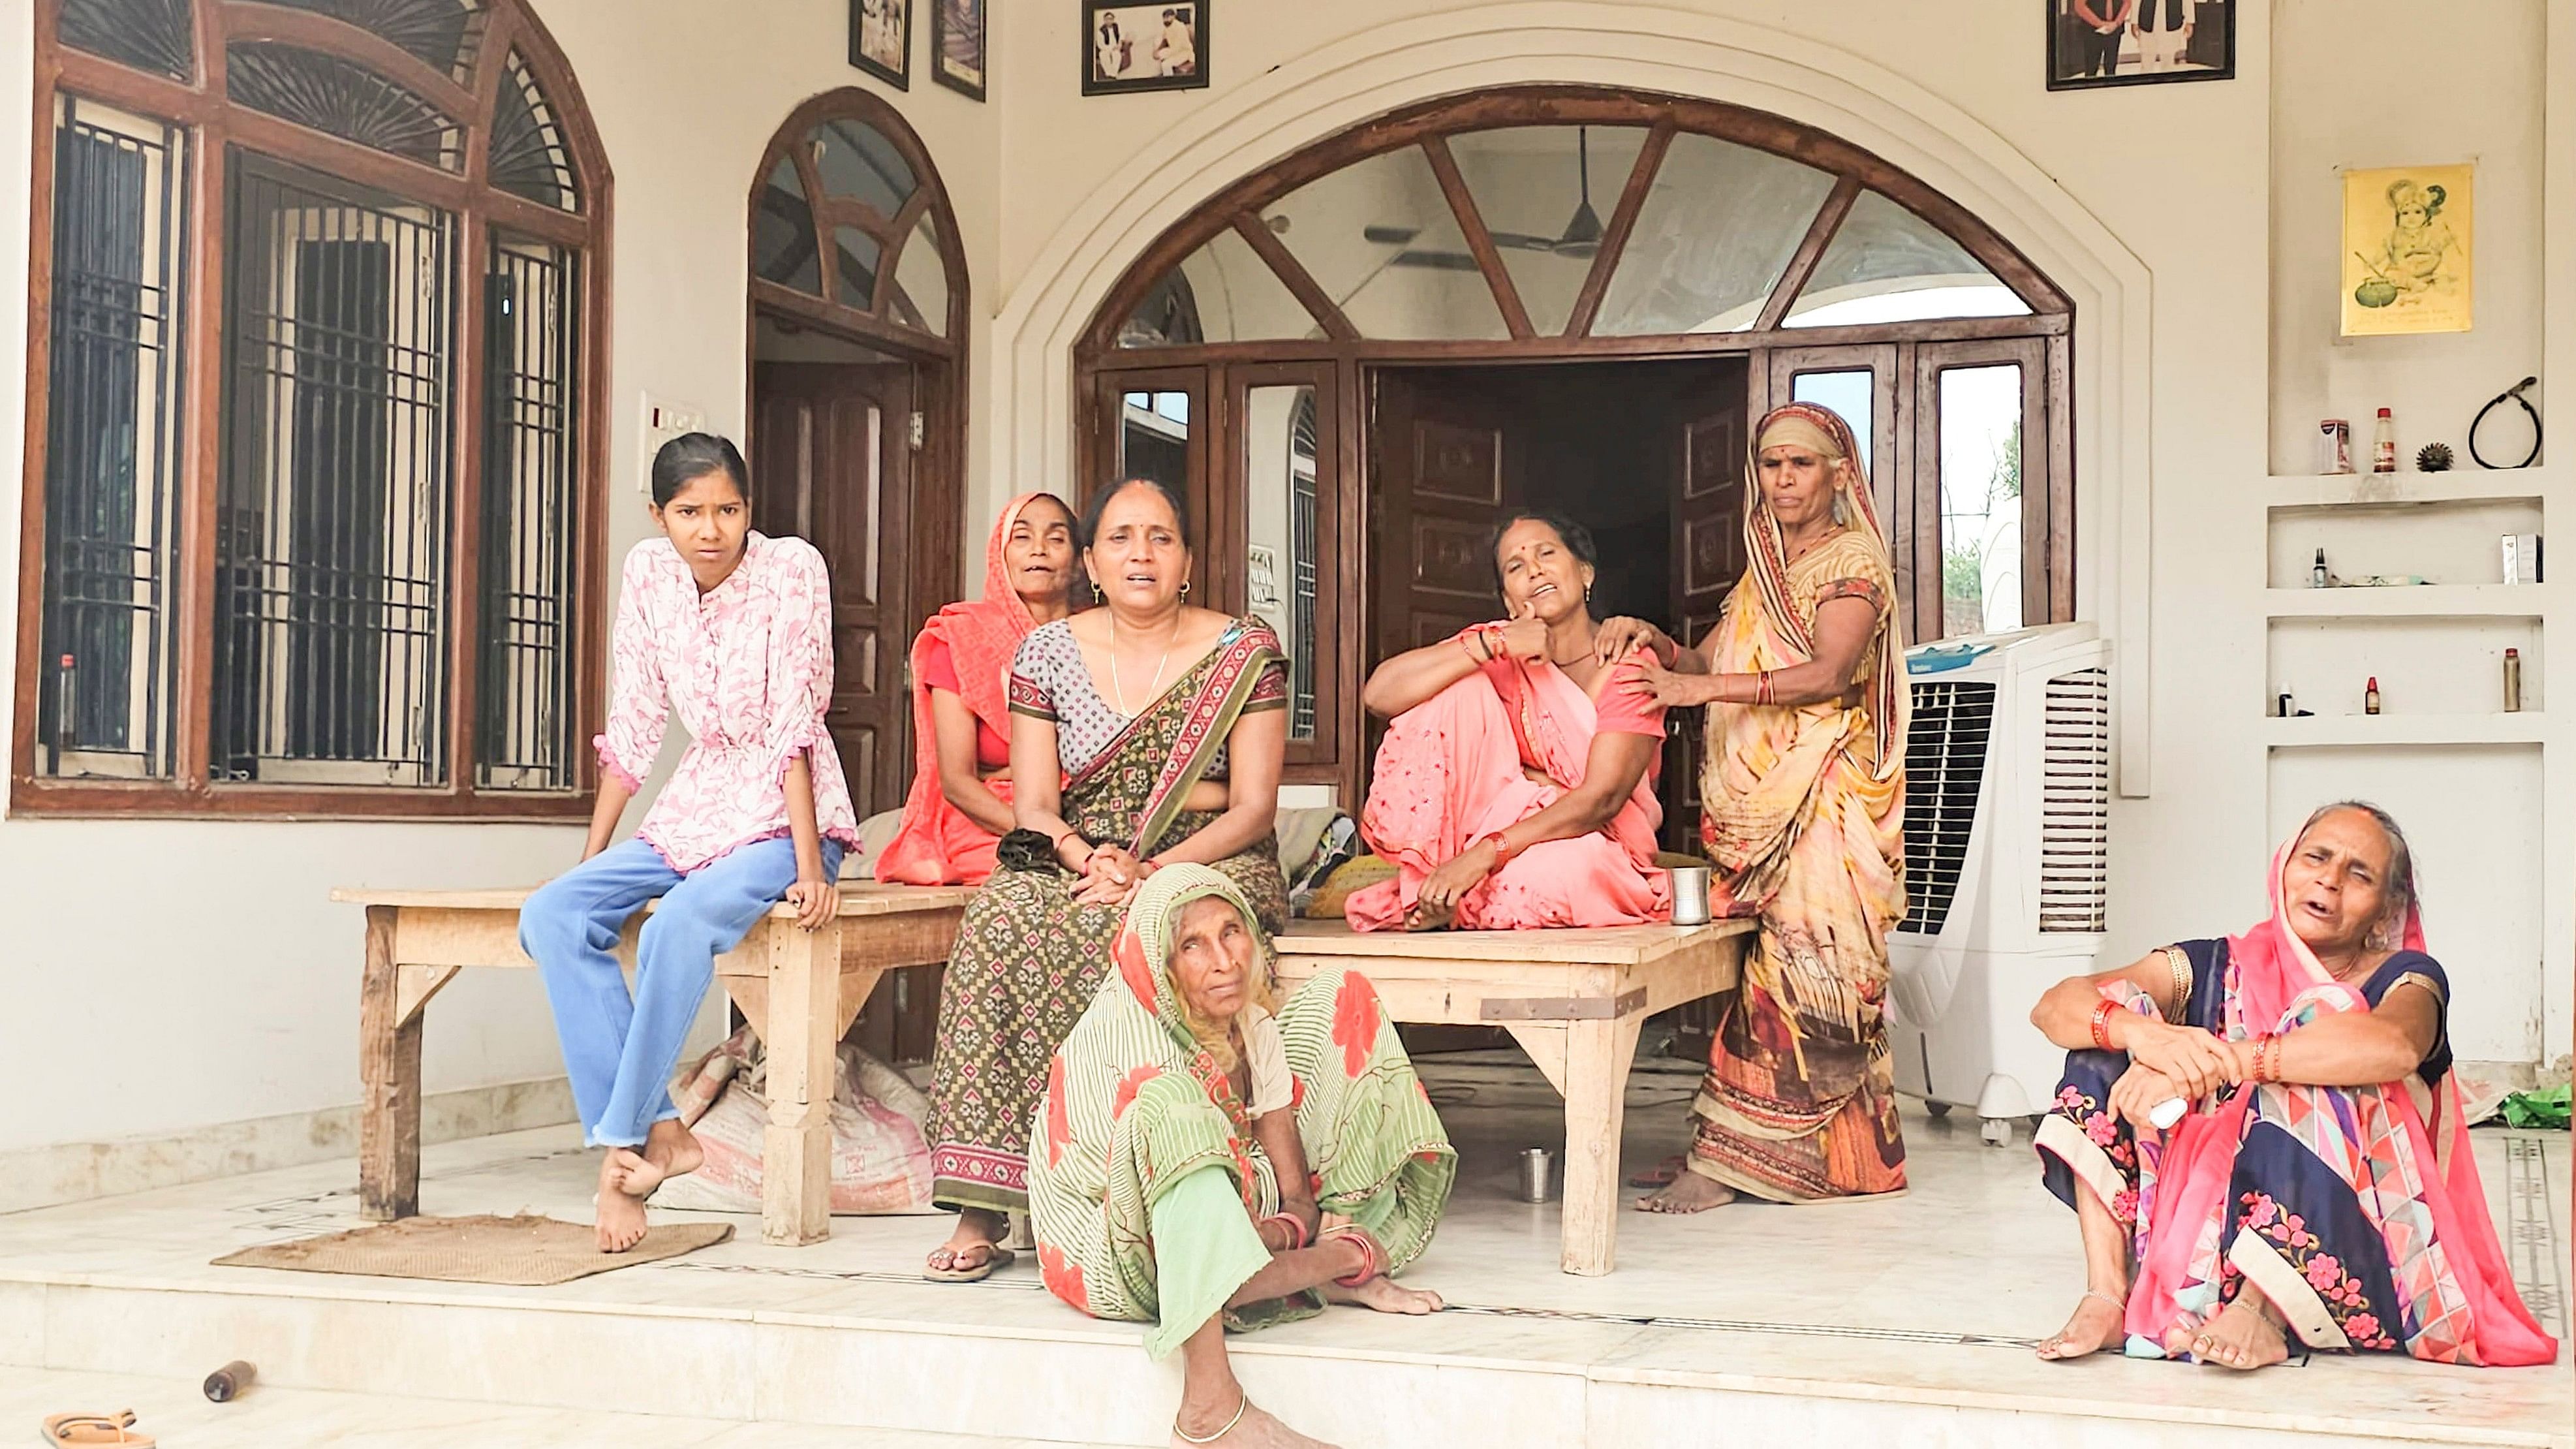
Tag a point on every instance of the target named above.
point(1205, 1163)
point(1143, 734)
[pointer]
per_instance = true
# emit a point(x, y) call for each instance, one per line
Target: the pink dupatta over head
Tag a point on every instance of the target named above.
point(2273, 970)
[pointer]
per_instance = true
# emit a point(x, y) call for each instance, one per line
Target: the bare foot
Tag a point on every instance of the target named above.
point(2095, 1326)
point(620, 1218)
point(670, 1150)
point(1255, 1430)
point(1386, 1296)
point(1423, 918)
point(2240, 1337)
point(1690, 1193)
point(1662, 1174)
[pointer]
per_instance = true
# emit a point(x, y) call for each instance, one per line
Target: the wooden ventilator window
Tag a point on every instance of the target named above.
point(1404, 273)
point(313, 479)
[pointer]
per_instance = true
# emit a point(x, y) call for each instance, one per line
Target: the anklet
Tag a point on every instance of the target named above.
point(2107, 1298)
point(1189, 1437)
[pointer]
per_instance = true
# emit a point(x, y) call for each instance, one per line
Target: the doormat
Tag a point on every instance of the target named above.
point(527, 1252)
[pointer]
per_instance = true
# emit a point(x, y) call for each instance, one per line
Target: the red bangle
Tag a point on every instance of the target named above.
point(1372, 1262)
point(1503, 851)
point(1297, 1237)
point(2102, 1024)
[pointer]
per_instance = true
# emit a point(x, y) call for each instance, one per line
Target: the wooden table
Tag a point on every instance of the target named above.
point(1573, 999)
point(798, 989)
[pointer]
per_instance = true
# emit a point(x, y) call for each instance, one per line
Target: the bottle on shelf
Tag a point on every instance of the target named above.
point(2383, 444)
point(2513, 681)
point(2370, 697)
point(2317, 575)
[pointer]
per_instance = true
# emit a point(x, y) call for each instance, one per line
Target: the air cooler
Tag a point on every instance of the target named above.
point(2007, 801)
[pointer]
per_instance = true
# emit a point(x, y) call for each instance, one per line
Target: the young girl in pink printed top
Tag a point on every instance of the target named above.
point(734, 632)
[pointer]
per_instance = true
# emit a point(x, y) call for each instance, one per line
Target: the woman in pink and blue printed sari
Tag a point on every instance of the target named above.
point(2309, 1179)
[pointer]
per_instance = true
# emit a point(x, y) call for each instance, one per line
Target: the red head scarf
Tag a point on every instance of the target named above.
point(982, 636)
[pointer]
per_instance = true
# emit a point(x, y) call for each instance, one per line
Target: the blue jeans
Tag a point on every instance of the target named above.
point(620, 1049)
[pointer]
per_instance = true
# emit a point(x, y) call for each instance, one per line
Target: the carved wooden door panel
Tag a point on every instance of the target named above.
point(831, 463)
point(1441, 478)
point(1708, 557)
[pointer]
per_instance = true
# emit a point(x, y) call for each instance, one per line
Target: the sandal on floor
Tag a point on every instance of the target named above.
point(87, 1429)
point(995, 1256)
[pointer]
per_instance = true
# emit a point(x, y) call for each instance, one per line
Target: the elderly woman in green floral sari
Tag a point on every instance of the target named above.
point(1204, 1163)
point(1144, 734)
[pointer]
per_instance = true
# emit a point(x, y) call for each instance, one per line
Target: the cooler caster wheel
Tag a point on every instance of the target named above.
point(1996, 1131)
point(1938, 1110)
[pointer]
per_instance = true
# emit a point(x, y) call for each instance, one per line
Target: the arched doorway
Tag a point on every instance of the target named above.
point(858, 308)
point(1474, 295)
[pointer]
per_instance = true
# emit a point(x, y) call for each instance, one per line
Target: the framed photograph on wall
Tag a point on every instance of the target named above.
point(957, 45)
point(1143, 47)
point(881, 40)
point(2408, 239)
point(2139, 42)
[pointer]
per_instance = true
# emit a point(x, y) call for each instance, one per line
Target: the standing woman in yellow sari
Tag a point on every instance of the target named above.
point(1804, 799)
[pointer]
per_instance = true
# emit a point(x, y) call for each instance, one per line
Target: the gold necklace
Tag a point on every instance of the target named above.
point(1154, 690)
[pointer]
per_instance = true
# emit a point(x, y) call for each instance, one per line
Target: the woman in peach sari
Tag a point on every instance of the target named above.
point(960, 806)
point(1516, 784)
point(1804, 794)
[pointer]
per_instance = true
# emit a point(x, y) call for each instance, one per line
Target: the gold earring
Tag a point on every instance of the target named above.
point(1185, 588)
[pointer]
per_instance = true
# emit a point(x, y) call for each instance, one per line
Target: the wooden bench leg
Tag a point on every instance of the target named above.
point(389, 1079)
point(1598, 1054)
point(796, 1151)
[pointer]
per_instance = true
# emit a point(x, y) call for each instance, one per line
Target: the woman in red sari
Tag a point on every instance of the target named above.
point(1516, 784)
point(960, 805)
point(2316, 1185)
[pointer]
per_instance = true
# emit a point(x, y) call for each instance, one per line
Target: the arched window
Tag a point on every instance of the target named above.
point(1659, 270)
point(858, 402)
point(315, 442)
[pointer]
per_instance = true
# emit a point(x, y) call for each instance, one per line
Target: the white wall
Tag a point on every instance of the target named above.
point(164, 976)
point(2160, 195)
point(200, 963)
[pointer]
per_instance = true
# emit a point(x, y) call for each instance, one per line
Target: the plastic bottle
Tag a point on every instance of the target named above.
point(2370, 697)
point(2383, 444)
point(226, 1383)
point(2513, 681)
point(2317, 575)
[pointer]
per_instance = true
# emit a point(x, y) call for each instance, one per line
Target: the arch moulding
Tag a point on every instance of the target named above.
point(1637, 48)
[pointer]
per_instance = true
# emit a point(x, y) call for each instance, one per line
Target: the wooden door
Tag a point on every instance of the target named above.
point(1440, 478)
point(831, 464)
point(1708, 557)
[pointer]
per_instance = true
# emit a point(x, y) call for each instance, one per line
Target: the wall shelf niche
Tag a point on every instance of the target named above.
point(2529, 727)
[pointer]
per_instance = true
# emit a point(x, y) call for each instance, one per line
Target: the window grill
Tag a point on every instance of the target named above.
point(2075, 804)
point(1945, 772)
point(335, 507)
point(531, 522)
point(441, 34)
point(151, 35)
point(111, 517)
point(341, 98)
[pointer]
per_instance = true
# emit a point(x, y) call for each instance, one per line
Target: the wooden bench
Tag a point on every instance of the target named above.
point(798, 989)
point(1573, 999)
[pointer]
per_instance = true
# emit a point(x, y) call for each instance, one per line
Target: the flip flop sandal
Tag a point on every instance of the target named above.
point(86, 1429)
point(995, 1256)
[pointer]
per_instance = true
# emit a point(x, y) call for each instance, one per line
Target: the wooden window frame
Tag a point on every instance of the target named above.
point(215, 125)
point(936, 542)
point(1775, 349)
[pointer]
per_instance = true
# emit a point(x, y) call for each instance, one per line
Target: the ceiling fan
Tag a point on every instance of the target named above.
point(1581, 238)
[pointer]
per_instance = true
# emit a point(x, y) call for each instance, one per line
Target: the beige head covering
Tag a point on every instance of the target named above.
point(1798, 429)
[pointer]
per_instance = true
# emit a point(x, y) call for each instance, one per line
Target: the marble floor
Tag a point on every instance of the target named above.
point(1911, 1319)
